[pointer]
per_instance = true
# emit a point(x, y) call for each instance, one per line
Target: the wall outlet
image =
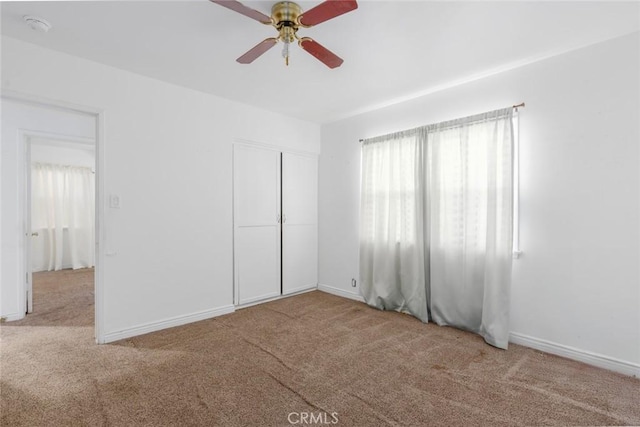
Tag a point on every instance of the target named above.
point(354, 283)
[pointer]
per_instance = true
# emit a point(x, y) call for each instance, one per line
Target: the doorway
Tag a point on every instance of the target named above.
point(60, 224)
point(40, 139)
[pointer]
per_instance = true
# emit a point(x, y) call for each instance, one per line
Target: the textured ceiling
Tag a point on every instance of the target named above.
point(392, 49)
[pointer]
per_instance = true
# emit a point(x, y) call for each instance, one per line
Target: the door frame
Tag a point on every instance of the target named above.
point(100, 167)
point(25, 136)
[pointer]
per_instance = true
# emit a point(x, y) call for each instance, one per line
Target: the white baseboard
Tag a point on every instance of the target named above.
point(167, 323)
point(340, 292)
point(13, 316)
point(594, 359)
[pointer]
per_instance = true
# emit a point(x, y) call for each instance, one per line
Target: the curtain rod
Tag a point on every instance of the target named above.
point(513, 106)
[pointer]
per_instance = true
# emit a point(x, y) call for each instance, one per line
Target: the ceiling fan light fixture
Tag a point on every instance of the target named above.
point(287, 35)
point(285, 17)
point(285, 53)
point(38, 24)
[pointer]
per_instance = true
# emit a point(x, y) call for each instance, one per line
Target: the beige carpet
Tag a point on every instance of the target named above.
point(288, 361)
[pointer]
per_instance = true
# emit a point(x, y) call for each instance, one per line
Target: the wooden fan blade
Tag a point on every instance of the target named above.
point(323, 54)
point(236, 6)
point(257, 50)
point(325, 11)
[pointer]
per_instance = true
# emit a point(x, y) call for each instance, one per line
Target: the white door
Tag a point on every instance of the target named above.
point(299, 222)
point(256, 224)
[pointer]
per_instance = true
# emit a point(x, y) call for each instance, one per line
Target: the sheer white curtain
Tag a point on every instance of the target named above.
point(470, 222)
point(461, 215)
point(62, 211)
point(392, 258)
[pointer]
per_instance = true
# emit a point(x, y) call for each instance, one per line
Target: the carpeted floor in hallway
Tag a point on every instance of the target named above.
point(313, 356)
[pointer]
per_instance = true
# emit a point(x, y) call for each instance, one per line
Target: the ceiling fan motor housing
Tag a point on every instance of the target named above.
point(285, 18)
point(286, 12)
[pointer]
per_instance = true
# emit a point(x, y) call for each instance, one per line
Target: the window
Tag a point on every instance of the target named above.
point(437, 222)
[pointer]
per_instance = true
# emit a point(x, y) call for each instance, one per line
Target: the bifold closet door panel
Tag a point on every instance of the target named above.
point(257, 263)
point(299, 189)
point(256, 223)
point(299, 222)
point(299, 258)
point(256, 185)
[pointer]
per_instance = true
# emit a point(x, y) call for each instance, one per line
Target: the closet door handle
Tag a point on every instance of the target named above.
point(284, 219)
point(278, 219)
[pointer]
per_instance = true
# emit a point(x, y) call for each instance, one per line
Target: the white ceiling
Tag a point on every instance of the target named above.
point(392, 49)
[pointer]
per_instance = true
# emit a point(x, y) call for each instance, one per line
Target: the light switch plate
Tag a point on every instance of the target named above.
point(114, 201)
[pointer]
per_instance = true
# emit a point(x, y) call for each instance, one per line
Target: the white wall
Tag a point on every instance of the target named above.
point(577, 285)
point(17, 117)
point(168, 157)
point(45, 150)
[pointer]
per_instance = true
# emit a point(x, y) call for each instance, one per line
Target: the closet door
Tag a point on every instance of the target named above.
point(299, 222)
point(256, 223)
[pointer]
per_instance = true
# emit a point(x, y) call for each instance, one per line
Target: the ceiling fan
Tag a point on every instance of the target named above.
point(287, 17)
